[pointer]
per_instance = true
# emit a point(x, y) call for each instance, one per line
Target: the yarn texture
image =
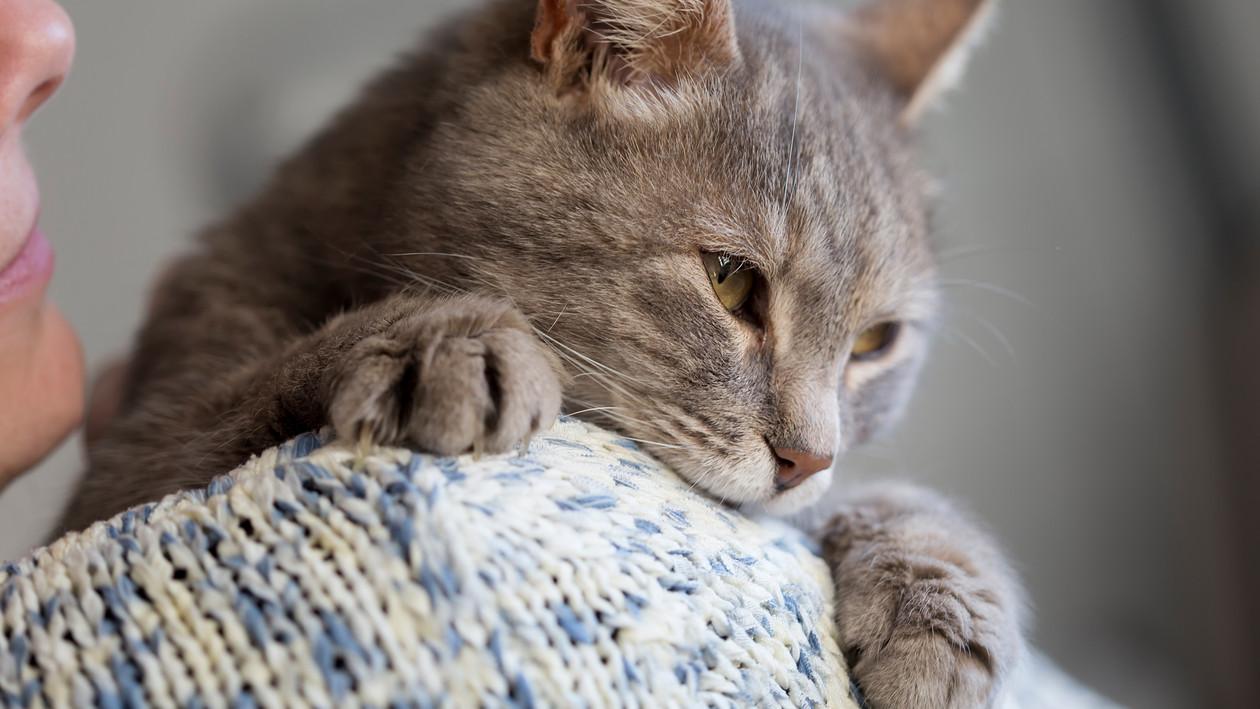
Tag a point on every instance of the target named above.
point(578, 575)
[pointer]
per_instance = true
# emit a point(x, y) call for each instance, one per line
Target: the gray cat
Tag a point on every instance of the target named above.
point(699, 225)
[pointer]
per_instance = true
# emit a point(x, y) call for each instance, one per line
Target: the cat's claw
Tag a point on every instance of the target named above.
point(365, 441)
point(362, 448)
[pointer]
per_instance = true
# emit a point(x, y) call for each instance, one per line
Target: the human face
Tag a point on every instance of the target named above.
point(41, 365)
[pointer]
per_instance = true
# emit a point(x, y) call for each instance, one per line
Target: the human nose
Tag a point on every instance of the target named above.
point(36, 49)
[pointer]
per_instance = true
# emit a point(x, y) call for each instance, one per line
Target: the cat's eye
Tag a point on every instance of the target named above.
point(733, 279)
point(875, 341)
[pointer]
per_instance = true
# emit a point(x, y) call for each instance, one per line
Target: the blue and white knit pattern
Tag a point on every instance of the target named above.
point(580, 575)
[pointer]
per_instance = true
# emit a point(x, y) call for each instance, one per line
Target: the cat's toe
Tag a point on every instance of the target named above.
point(367, 391)
point(446, 393)
point(484, 393)
point(918, 668)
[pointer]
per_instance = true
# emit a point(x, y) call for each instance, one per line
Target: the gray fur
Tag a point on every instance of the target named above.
point(509, 224)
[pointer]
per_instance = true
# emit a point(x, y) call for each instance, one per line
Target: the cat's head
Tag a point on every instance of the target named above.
point(711, 213)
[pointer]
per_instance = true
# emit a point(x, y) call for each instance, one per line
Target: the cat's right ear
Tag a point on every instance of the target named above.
point(589, 45)
point(919, 46)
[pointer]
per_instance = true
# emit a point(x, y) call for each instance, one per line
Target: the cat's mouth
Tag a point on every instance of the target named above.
point(752, 481)
point(744, 472)
point(796, 479)
point(785, 501)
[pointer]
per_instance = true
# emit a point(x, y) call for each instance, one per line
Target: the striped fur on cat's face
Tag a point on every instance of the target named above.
point(589, 194)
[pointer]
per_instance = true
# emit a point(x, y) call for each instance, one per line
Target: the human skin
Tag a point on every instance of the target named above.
point(41, 362)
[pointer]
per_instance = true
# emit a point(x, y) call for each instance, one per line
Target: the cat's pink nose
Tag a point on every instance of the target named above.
point(795, 466)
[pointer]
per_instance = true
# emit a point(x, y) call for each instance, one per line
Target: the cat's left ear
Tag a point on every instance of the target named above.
point(632, 43)
point(919, 46)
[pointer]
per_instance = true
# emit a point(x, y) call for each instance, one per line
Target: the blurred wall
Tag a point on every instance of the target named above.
point(1070, 402)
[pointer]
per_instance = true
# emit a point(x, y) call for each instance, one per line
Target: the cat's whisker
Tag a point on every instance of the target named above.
point(600, 378)
point(616, 414)
point(436, 284)
point(387, 261)
point(215, 449)
point(553, 322)
point(1052, 318)
point(604, 408)
point(991, 287)
point(868, 460)
point(585, 358)
point(393, 272)
point(879, 451)
point(956, 253)
point(396, 274)
point(434, 253)
point(611, 413)
point(857, 118)
point(658, 444)
point(974, 345)
point(993, 330)
point(379, 267)
point(591, 409)
point(416, 277)
point(485, 278)
point(346, 264)
point(696, 483)
point(462, 126)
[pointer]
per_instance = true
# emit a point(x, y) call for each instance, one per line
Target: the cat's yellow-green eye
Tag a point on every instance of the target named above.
point(874, 340)
point(732, 279)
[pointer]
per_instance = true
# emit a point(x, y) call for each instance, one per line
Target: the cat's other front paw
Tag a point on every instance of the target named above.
point(465, 375)
point(928, 611)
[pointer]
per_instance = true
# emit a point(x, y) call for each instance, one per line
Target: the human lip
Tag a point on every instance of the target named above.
point(30, 270)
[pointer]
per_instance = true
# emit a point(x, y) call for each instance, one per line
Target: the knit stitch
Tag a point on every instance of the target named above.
point(578, 575)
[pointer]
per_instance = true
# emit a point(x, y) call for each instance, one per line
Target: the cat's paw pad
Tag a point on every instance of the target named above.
point(922, 632)
point(447, 383)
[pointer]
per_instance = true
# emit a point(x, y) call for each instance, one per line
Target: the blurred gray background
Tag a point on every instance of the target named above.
point(1093, 397)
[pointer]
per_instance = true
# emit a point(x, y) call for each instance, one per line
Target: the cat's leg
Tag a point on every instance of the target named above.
point(928, 610)
point(447, 375)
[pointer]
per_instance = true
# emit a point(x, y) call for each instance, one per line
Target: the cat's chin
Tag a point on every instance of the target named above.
point(788, 502)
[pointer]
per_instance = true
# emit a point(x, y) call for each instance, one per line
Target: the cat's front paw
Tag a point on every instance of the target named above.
point(928, 613)
point(466, 375)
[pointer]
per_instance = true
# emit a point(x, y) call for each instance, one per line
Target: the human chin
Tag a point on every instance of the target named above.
point(41, 381)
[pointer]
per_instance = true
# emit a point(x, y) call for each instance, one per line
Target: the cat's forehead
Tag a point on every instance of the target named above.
point(827, 189)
